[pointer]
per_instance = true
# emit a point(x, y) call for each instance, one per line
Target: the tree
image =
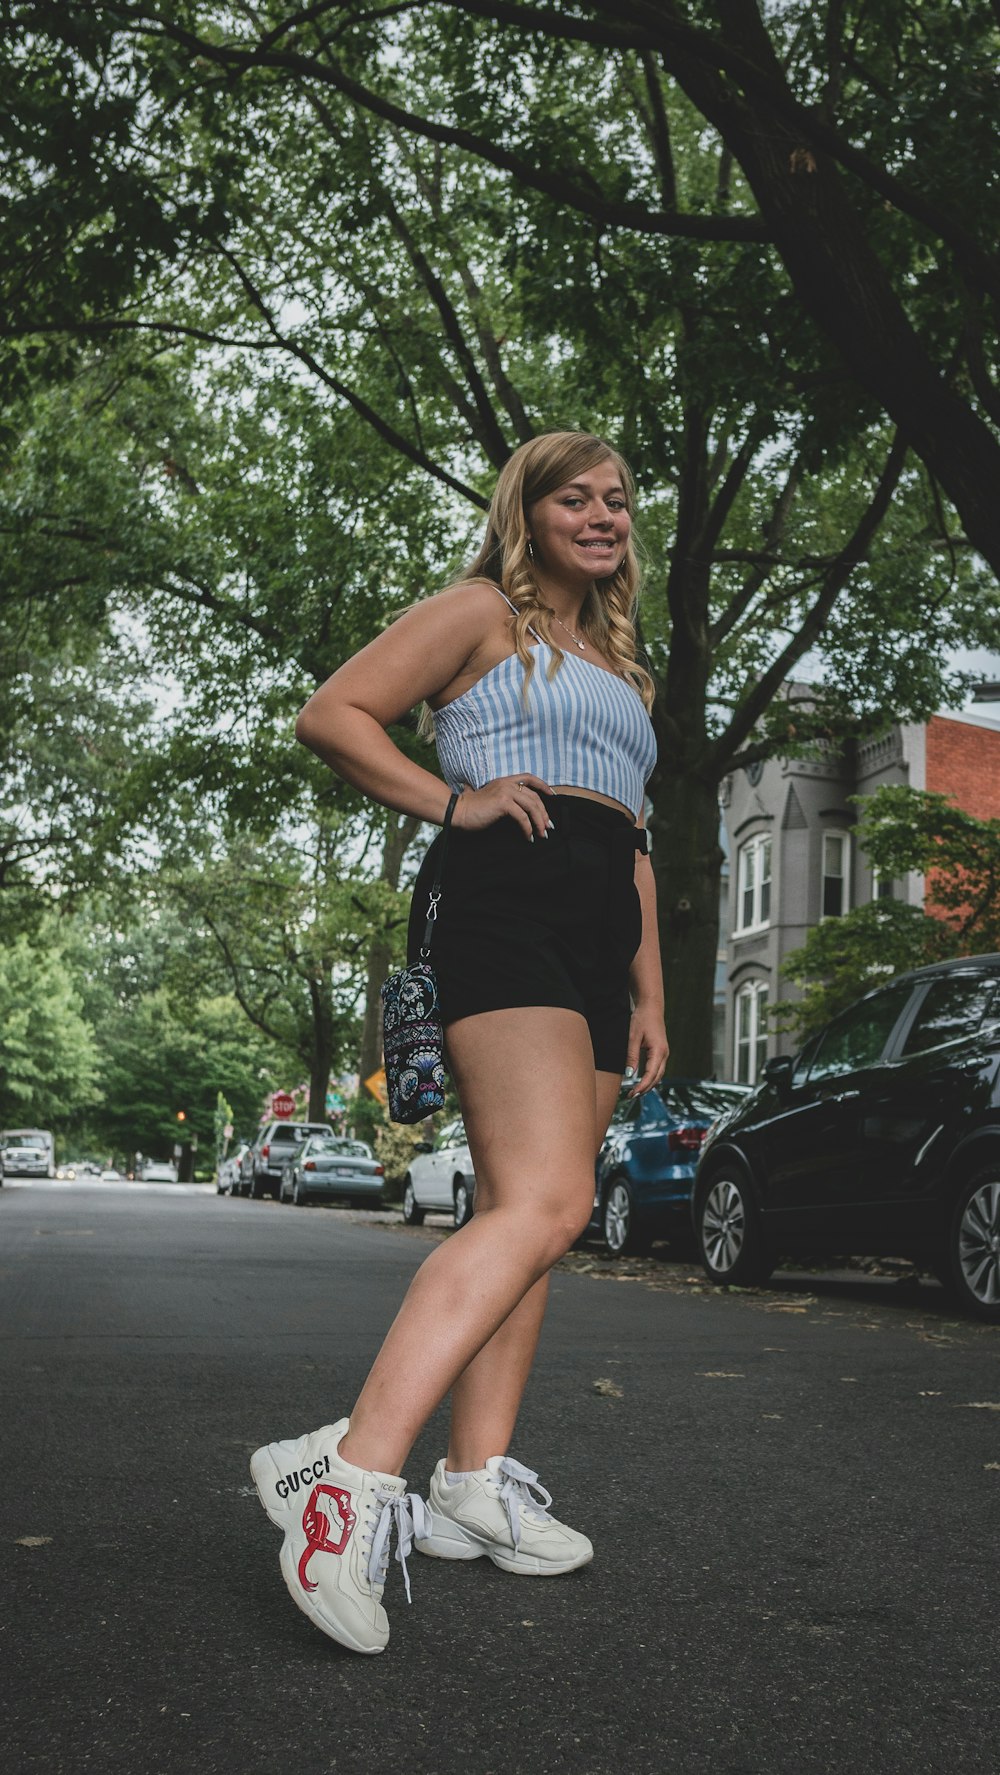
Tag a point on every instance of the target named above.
point(48, 1057)
point(294, 932)
point(902, 831)
point(163, 1066)
point(457, 224)
point(205, 528)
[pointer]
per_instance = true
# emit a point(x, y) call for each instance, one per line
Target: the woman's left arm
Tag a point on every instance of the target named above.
point(647, 1038)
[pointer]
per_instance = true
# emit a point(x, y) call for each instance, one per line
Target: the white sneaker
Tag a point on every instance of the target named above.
point(501, 1512)
point(337, 1521)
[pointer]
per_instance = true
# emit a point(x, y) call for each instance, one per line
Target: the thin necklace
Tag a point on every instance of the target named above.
point(581, 645)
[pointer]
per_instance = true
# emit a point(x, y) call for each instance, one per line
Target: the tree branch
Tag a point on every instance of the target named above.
point(724, 500)
point(839, 572)
point(387, 432)
point(660, 26)
point(611, 213)
point(489, 344)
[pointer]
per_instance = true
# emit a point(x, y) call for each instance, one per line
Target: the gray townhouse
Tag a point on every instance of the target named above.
point(793, 859)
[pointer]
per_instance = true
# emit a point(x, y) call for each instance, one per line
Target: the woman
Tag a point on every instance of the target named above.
point(546, 930)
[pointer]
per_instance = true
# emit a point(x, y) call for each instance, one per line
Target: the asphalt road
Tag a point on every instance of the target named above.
point(793, 1496)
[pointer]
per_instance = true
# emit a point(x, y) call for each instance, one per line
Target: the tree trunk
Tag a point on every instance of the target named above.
point(841, 281)
point(687, 863)
point(401, 829)
point(321, 1057)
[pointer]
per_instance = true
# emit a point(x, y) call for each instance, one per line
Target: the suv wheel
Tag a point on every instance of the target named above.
point(412, 1213)
point(621, 1228)
point(463, 1202)
point(731, 1244)
point(970, 1268)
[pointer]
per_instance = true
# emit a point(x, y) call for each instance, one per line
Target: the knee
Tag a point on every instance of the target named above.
point(560, 1229)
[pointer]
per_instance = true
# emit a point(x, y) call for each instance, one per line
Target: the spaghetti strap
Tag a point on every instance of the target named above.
point(506, 600)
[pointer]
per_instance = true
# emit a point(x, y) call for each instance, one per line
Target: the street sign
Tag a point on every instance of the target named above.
point(283, 1105)
point(227, 1132)
point(377, 1086)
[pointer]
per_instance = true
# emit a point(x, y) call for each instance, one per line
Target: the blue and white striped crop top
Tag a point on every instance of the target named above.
point(586, 728)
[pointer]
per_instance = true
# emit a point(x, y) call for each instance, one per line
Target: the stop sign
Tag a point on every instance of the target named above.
point(282, 1105)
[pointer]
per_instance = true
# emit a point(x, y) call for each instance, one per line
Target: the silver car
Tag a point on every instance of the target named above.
point(329, 1168)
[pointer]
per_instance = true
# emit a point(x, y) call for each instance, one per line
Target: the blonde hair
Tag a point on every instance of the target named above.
point(608, 616)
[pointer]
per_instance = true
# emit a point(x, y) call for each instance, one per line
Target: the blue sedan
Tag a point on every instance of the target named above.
point(646, 1167)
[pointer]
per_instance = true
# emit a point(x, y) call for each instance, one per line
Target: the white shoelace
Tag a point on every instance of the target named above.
point(516, 1492)
point(410, 1516)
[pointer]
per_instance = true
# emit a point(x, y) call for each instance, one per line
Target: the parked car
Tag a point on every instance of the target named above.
point(154, 1172)
point(440, 1176)
point(264, 1162)
point(328, 1168)
point(882, 1138)
point(229, 1177)
point(646, 1166)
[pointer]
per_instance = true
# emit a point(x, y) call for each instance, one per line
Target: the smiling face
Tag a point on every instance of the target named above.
point(580, 531)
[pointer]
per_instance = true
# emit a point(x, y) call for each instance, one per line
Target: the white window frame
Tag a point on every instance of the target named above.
point(749, 858)
point(845, 877)
point(753, 1044)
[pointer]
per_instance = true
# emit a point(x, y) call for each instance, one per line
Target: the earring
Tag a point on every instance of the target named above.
point(531, 550)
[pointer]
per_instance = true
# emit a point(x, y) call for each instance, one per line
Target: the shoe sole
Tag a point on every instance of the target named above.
point(263, 1466)
point(450, 1542)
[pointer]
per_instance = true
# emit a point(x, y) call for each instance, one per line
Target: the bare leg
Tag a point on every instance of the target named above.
point(487, 1395)
point(526, 1082)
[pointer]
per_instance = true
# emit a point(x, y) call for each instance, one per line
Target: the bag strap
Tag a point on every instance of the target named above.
point(432, 904)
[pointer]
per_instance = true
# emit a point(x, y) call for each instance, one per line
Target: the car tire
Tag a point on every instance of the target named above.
point(622, 1229)
point(299, 1197)
point(255, 1188)
point(969, 1265)
point(464, 1197)
point(731, 1243)
point(413, 1214)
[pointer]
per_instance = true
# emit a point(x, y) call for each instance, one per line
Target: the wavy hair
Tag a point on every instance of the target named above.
point(609, 610)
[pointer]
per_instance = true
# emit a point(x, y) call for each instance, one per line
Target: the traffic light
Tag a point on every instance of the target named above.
point(182, 1115)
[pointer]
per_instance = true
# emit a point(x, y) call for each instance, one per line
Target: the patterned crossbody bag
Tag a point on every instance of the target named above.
point(412, 1032)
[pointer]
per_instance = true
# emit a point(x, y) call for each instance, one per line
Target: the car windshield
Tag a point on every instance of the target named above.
point(699, 1099)
point(24, 1142)
point(290, 1133)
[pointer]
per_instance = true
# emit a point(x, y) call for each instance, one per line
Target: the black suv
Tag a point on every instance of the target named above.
point(882, 1137)
point(264, 1162)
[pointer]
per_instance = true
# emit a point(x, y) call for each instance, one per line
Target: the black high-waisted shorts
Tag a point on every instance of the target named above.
point(556, 922)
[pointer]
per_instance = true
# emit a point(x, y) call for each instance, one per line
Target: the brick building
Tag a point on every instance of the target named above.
point(794, 857)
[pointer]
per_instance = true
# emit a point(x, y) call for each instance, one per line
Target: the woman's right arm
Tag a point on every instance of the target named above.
point(345, 722)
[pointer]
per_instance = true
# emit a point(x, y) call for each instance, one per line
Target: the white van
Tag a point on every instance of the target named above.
point(28, 1152)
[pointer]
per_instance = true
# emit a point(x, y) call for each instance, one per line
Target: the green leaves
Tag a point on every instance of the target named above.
point(48, 1057)
point(902, 831)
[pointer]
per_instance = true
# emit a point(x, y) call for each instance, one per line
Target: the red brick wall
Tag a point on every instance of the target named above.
point(963, 761)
